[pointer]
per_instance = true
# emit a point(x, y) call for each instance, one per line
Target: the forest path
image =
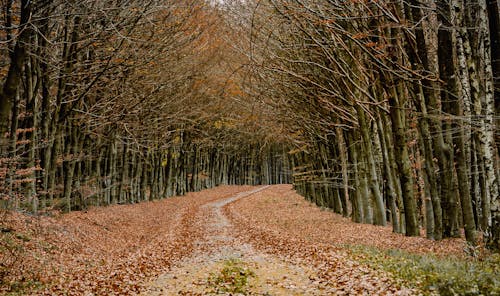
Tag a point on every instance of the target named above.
point(223, 264)
point(226, 240)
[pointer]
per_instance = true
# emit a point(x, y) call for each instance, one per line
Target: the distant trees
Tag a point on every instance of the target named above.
point(394, 103)
point(107, 102)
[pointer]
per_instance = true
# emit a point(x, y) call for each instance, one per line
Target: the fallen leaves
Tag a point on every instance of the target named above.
point(106, 251)
point(281, 210)
point(116, 250)
point(279, 221)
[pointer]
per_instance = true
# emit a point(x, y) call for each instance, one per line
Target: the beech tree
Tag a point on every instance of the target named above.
point(408, 87)
point(118, 102)
point(383, 111)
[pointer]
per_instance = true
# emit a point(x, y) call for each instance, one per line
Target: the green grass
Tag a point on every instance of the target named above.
point(435, 275)
point(233, 278)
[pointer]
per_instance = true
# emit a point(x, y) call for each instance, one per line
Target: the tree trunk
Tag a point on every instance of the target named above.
point(356, 198)
point(429, 166)
point(10, 87)
point(12, 155)
point(487, 134)
point(343, 164)
point(403, 161)
point(378, 201)
point(392, 195)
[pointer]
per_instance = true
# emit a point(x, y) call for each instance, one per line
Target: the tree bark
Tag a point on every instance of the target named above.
point(10, 87)
point(367, 148)
point(403, 161)
point(392, 195)
point(487, 134)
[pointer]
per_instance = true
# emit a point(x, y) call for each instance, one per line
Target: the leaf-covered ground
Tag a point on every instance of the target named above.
point(222, 264)
point(104, 251)
point(349, 258)
point(284, 213)
point(227, 240)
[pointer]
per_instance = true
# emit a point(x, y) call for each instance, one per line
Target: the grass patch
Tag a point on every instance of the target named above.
point(435, 275)
point(232, 278)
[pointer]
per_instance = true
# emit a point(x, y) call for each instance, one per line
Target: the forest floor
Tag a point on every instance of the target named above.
point(230, 240)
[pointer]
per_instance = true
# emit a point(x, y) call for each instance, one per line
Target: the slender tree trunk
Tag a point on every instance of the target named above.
point(122, 194)
point(429, 166)
point(403, 161)
point(357, 213)
point(487, 135)
point(423, 183)
point(144, 177)
point(13, 161)
point(343, 164)
point(389, 174)
point(364, 190)
point(31, 125)
point(446, 55)
point(72, 151)
point(378, 201)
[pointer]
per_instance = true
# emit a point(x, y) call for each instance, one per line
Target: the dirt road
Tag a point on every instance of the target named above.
point(224, 263)
point(230, 240)
point(220, 257)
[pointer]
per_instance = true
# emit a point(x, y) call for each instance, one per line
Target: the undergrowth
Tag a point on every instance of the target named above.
point(14, 278)
point(433, 274)
point(233, 278)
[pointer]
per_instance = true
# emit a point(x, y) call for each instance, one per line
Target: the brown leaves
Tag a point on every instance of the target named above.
point(117, 249)
point(107, 251)
point(290, 213)
point(281, 222)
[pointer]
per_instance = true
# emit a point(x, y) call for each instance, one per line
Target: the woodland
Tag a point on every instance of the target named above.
point(384, 112)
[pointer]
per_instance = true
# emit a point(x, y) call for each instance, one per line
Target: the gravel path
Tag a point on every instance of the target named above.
point(267, 275)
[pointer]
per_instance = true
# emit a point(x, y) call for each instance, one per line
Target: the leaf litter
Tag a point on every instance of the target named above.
point(179, 245)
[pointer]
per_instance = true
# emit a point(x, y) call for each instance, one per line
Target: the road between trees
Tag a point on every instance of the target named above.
point(223, 264)
point(230, 259)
